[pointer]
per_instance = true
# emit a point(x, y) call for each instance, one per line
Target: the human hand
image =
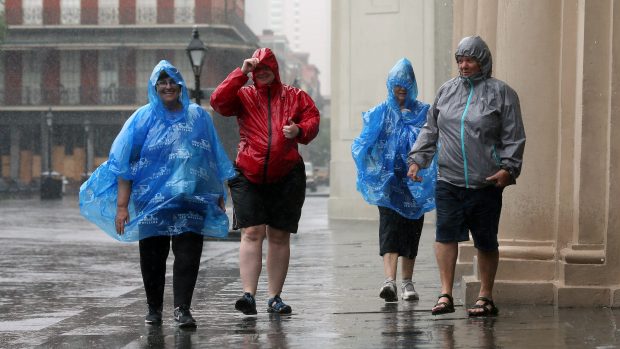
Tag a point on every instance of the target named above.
point(291, 130)
point(122, 217)
point(501, 178)
point(249, 65)
point(413, 173)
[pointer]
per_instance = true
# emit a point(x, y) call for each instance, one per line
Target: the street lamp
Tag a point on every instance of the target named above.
point(48, 121)
point(51, 188)
point(196, 52)
point(87, 148)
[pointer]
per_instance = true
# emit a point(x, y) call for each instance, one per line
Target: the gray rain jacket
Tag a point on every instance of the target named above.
point(475, 123)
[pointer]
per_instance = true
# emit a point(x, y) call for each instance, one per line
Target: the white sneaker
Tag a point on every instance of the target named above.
point(388, 291)
point(408, 291)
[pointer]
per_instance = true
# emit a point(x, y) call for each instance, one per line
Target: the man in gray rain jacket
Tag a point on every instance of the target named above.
point(475, 127)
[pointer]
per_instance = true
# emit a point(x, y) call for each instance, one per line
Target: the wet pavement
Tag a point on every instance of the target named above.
point(64, 284)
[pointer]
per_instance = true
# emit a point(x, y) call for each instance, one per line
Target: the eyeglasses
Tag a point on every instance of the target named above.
point(166, 82)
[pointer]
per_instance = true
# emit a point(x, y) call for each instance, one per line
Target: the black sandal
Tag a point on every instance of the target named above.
point(446, 307)
point(487, 311)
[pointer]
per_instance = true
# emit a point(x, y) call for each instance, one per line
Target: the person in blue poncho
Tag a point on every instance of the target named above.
point(163, 184)
point(380, 155)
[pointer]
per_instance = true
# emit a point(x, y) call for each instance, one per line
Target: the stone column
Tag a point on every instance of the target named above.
point(588, 267)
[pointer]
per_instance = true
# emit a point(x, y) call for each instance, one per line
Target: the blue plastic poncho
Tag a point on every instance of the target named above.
point(177, 166)
point(380, 152)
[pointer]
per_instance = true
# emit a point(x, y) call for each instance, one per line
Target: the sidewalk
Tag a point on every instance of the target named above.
point(64, 284)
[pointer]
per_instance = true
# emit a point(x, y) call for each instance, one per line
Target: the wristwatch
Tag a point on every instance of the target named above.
point(509, 170)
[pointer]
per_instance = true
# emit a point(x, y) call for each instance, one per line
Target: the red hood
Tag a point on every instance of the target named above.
point(265, 56)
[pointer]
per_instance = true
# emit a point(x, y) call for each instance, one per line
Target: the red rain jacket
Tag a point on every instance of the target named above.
point(264, 154)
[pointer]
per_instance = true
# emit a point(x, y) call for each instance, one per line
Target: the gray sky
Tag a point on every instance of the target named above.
point(313, 26)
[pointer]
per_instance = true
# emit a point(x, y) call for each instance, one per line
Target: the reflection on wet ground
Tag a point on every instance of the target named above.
point(64, 284)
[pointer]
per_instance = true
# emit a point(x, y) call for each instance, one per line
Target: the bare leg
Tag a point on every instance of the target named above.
point(278, 256)
point(406, 267)
point(251, 256)
point(446, 254)
point(487, 265)
point(390, 263)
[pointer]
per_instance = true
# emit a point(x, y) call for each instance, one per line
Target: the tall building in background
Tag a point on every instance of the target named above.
point(86, 65)
point(305, 24)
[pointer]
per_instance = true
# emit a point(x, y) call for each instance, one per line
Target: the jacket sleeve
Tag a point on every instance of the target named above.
point(425, 146)
point(309, 120)
point(513, 134)
point(224, 99)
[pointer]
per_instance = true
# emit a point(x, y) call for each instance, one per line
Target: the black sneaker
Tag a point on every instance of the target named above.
point(246, 304)
point(153, 317)
point(276, 305)
point(183, 316)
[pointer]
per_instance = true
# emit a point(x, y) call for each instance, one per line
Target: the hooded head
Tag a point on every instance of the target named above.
point(267, 58)
point(402, 75)
point(474, 46)
point(165, 69)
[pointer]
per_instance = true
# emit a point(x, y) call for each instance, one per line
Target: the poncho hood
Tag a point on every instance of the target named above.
point(402, 75)
point(173, 72)
point(474, 46)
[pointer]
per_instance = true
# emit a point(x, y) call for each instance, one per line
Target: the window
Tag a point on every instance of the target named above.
point(184, 12)
point(69, 77)
point(70, 12)
point(31, 75)
point(108, 12)
point(146, 11)
point(108, 77)
point(145, 62)
point(33, 11)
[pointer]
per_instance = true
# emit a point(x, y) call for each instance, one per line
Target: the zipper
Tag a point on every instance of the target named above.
point(495, 157)
point(471, 93)
point(269, 134)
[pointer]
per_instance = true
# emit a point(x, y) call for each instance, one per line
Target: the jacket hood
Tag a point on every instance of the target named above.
point(402, 75)
point(474, 46)
point(265, 56)
point(175, 74)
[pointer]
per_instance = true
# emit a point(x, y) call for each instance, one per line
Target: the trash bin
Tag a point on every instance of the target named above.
point(51, 185)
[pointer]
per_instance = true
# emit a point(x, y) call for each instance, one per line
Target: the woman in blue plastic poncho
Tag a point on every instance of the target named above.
point(163, 183)
point(380, 155)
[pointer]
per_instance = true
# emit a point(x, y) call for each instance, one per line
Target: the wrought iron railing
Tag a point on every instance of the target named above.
point(111, 95)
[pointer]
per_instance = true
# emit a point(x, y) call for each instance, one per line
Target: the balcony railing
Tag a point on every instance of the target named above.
point(111, 95)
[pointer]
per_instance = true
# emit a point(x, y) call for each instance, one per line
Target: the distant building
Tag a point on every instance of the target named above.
point(88, 63)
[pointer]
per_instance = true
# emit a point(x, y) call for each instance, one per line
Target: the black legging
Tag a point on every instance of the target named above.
point(187, 249)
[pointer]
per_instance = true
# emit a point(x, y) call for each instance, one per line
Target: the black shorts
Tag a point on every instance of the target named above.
point(276, 204)
point(398, 234)
point(461, 210)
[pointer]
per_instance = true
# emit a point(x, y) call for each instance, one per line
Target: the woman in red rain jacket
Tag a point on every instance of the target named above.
point(269, 192)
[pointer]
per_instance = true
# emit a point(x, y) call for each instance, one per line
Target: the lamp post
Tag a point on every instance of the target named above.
point(48, 121)
point(51, 188)
point(196, 52)
point(87, 148)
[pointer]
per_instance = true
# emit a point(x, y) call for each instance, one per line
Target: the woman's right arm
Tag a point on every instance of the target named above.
point(122, 205)
point(425, 146)
point(224, 99)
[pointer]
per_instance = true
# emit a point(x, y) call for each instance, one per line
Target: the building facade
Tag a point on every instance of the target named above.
point(559, 232)
point(86, 63)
